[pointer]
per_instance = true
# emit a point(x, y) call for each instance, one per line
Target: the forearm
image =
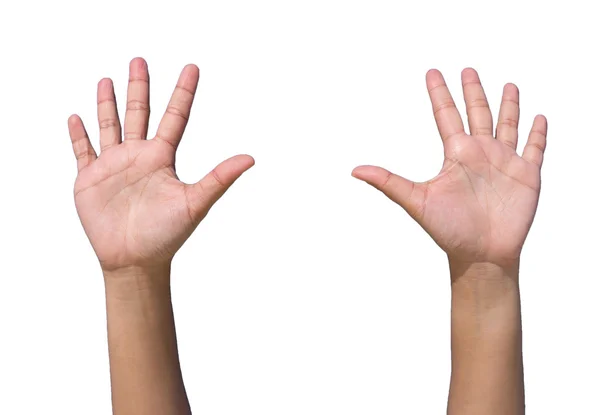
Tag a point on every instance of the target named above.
point(487, 364)
point(144, 364)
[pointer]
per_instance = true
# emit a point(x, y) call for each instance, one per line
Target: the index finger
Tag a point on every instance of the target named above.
point(176, 116)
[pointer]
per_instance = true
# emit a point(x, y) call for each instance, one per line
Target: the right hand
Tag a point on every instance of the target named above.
point(134, 209)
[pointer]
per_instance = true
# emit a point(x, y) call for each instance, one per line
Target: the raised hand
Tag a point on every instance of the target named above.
point(133, 207)
point(480, 207)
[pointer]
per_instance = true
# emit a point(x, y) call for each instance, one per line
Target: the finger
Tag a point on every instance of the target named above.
point(203, 194)
point(84, 152)
point(176, 116)
point(478, 109)
point(108, 118)
point(508, 120)
point(445, 112)
point(404, 192)
point(536, 143)
point(138, 101)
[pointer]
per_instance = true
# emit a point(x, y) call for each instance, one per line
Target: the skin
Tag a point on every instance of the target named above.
point(137, 214)
point(479, 210)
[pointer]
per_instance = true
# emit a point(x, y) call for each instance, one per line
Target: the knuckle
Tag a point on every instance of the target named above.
point(108, 123)
point(215, 175)
point(469, 83)
point(483, 131)
point(444, 105)
point(173, 110)
point(133, 135)
point(137, 105)
point(82, 154)
point(386, 182)
point(167, 142)
point(510, 101)
point(478, 103)
point(433, 88)
point(450, 135)
point(509, 122)
point(108, 101)
point(541, 147)
point(144, 80)
point(185, 90)
point(541, 133)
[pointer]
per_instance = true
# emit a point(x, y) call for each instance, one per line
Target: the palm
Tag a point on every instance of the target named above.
point(483, 201)
point(482, 204)
point(133, 207)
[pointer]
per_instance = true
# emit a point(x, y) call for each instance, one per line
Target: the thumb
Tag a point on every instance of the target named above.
point(404, 192)
point(205, 193)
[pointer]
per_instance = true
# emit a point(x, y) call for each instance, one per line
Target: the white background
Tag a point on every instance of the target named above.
point(304, 291)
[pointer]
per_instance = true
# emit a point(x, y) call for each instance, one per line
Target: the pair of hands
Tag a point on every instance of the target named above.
point(137, 213)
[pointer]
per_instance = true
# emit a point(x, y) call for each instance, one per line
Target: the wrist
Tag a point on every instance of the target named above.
point(130, 281)
point(484, 286)
point(483, 270)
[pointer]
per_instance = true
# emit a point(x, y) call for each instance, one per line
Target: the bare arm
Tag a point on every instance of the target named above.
point(144, 364)
point(487, 364)
point(137, 214)
point(479, 210)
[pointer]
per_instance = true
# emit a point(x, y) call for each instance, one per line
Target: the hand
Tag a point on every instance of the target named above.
point(480, 207)
point(133, 207)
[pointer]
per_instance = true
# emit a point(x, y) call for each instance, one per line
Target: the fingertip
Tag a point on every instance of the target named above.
point(105, 89)
point(358, 171)
point(104, 82)
point(433, 73)
point(469, 75)
point(192, 68)
point(370, 174)
point(540, 124)
point(239, 163)
point(74, 120)
point(469, 71)
point(434, 78)
point(190, 74)
point(247, 160)
point(510, 88)
point(138, 63)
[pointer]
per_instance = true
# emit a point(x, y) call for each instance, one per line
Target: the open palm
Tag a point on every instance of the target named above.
point(481, 205)
point(133, 207)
